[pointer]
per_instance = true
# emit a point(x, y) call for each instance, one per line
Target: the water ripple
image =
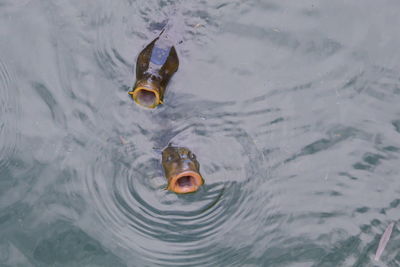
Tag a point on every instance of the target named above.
point(9, 112)
point(126, 191)
point(290, 107)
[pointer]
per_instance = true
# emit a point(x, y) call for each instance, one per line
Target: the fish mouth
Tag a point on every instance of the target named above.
point(185, 182)
point(146, 97)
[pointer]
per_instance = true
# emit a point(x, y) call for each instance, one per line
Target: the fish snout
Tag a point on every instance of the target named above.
point(185, 182)
point(147, 94)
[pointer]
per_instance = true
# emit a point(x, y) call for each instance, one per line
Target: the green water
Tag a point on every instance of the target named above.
point(292, 108)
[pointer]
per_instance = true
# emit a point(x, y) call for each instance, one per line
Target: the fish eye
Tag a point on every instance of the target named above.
point(154, 77)
point(192, 156)
point(169, 158)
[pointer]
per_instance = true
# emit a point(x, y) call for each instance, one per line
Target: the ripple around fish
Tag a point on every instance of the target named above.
point(9, 112)
point(126, 189)
point(114, 31)
point(113, 51)
point(168, 229)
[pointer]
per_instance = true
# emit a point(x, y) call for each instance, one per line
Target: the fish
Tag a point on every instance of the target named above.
point(155, 66)
point(182, 170)
point(384, 240)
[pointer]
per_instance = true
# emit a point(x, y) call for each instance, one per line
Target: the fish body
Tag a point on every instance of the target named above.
point(155, 66)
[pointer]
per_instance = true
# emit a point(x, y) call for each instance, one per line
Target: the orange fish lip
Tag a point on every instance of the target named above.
point(185, 182)
point(135, 95)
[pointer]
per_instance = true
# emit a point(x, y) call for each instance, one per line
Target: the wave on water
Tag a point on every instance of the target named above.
point(9, 112)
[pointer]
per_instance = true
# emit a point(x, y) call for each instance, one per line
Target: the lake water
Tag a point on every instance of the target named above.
point(292, 108)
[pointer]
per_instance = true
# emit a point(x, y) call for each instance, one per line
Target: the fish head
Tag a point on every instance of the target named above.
point(182, 170)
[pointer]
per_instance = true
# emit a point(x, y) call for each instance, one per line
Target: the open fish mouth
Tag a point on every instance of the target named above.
point(185, 182)
point(146, 97)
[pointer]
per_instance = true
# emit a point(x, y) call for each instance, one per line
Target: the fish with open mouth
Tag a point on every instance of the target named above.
point(181, 169)
point(155, 66)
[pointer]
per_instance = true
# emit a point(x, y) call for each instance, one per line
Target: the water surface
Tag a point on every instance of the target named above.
point(291, 108)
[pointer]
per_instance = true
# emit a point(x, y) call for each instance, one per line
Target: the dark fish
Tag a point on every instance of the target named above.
point(154, 68)
point(181, 169)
